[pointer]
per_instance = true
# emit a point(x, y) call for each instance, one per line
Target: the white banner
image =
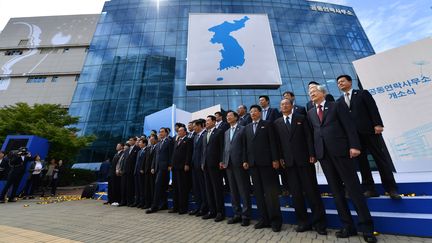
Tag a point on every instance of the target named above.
point(400, 82)
point(231, 50)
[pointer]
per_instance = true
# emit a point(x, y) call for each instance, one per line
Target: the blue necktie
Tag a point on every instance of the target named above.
point(232, 133)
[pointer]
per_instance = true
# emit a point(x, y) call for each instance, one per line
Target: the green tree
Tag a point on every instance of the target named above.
point(48, 121)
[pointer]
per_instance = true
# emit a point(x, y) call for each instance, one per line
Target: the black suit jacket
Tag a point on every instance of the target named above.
point(336, 132)
point(296, 141)
point(163, 154)
point(197, 149)
point(212, 151)
point(150, 155)
point(260, 148)
point(272, 114)
point(364, 111)
point(114, 162)
point(140, 161)
point(300, 109)
point(182, 153)
point(233, 150)
point(223, 126)
point(246, 119)
point(311, 105)
point(130, 160)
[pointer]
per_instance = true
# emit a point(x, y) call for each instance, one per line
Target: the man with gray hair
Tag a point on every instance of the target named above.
point(336, 144)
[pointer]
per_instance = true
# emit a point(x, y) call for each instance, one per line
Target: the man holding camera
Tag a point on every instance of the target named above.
point(17, 163)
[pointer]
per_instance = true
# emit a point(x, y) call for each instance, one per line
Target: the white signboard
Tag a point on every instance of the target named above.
point(231, 50)
point(400, 82)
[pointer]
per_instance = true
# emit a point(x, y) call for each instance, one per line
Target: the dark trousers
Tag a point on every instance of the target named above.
point(149, 184)
point(302, 181)
point(180, 190)
point(239, 183)
point(375, 145)
point(139, 189)
point(341, 175)
point(13, 181)
point(32, 184)
point(114, 189)
point(54, 184)
point(199, 190)
point(266, 190)
point(161, 186)
point(123, 186)
point(214, 190)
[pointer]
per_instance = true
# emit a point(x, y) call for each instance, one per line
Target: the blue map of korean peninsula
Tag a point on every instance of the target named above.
point(232, 52)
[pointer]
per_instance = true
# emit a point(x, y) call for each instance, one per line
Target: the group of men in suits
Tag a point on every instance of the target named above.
point(251, 149)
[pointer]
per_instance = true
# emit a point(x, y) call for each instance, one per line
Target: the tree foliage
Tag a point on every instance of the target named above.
point(48, 121)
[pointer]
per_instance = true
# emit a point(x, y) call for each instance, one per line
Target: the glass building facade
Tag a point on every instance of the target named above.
point(136, 63)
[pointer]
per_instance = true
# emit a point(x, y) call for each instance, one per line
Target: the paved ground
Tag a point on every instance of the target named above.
point(91, 221)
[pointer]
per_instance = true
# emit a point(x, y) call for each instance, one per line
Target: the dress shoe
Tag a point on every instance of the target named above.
point(245, 222)
point(303, 228)
point(173, 211)
point(182, 212)
point(276, 227)
point(151, 210)
point(321, 231)
point(219, 217)
point(12, 200)
point(395, 195)
point(234, 220)
point(261, 225)
point(345, 233)
point(106, 203)
point(193, 212)
point(132, 205)
point(209, 216)
point(369, 237)
point(200, 214)
point(370, 193)
point(121, 205)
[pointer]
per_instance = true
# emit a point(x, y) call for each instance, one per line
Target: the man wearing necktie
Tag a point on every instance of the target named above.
point(336, 145)
point(262, 159)
point(149, 177)
point(268, 114)
point(182, 154)
point(198, 180)
point(369, 125)
point(297, 157)
point(160, 167)
point(238, 177)
point(139, 174)
point(212, 166)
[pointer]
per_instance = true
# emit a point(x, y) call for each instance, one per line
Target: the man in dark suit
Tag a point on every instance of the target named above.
point(182, 154)
point(244, 117)
point(296, 108)
point(238, 177)
point(149, 177)
point(114, 181)
point(268, 114)
point(4, 165)
point(199, 188)
point(139, 173)
point(297, 156)
point(17, 163)
point(160, 164)
point(130, 162)
point(212, 166)
point(336, 144)
point(310, 104)
point(220, 123)
point(120, 171)
point(261, 156)
point(367, 119)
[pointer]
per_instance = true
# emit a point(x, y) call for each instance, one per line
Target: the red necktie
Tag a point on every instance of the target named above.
point(320, 113)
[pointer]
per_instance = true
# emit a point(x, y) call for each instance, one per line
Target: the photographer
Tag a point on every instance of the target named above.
point(17, 163)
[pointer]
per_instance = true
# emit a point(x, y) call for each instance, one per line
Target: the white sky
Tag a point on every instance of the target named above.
point(29, 8)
